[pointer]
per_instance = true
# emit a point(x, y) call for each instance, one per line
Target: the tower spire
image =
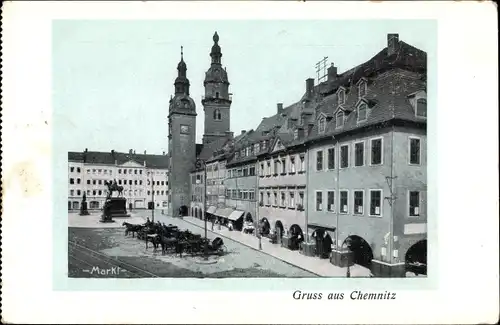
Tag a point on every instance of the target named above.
point(216, 52)
point(182, 82)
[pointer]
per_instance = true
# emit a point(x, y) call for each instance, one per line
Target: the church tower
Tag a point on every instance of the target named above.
point(181, 140)
point(217, 99)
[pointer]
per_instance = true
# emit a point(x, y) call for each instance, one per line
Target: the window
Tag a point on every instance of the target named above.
point(292, 165)
point(251, 171)
point(135, 182)
point(261, 198)
point(100, 192)
point(339, 122)
point(129, 182)
point(78, 169)
point(217, 94)
point(414, 151)
point(124, 171)
point(100, 182)
point(251, 195)
point(319, 160)
point(341, 97)
point(88, 181)
point(331, 158)
point(331, 201)
point(135, 171)
point(72, 181)
point(234, 194)
point(321, 125)
point(245, 195)
point(262, 170)
point(301, 197)
point(344, 200)
point(94, 192)
point(72, 169)
point(78, 181)
point(421, 110)
point(275, 202)
point(268, 167)
point(302, 164)
point(245, 172)
point(240, 194)
point(358, 202)
point(119, 182)
point(359, 154)
point(375, 202)
point(344, 156)
point(94, 182)
point(140, 172)
point(276, 167)
point(319, 200)
point(72, 192)
point(149, 192)
point(283, 166)
point(414, 204)
point(268, 198)
point(292, 200)
point(140, 182)
point(376, 153)
point(362, 110)
point(362, 88)
point(283, 199)
point(157, 182)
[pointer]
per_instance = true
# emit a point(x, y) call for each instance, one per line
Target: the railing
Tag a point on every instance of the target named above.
point(229, 97)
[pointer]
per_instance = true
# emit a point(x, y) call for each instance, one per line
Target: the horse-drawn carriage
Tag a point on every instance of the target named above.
point(171, 239)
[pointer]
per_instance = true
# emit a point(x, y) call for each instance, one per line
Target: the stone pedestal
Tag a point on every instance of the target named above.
point(83, 209)
point(284, 241)
point(341, 258)
point(115, 207)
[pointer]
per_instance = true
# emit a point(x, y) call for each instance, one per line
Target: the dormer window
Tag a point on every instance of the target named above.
point(236, 155)
point(362, 112)
point(362, 88)
point(421, 109)
point(341, 96)
point(321, 125)
point(264, 145)
point(242, 153)
point(339, 122)
point(217, 115)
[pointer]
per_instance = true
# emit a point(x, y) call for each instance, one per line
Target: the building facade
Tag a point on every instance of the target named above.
point(345, 166)
point(143, 177)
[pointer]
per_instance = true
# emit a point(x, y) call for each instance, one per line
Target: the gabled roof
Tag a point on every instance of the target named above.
point(109, 158)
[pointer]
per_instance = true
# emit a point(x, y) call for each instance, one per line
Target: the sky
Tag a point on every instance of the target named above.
point(112, 80)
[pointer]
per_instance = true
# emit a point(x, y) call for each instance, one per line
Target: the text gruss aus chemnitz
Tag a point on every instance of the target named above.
point(354, 295)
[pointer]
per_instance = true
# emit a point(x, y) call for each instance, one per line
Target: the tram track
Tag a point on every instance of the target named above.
point(89, 260)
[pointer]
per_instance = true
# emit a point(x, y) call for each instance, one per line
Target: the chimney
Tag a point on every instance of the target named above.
point(144, 151)
point(392, 43)
point(280, 108)
point(134, 152)
point(113, 153)
point(332, 73)
point(86, 150)
point(243, 132)
point(130, 151)
point(309, 87)
point(144, 163)
point(164, 153)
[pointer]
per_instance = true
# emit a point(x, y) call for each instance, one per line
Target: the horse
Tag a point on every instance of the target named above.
point(113, 186)
point(131, 228)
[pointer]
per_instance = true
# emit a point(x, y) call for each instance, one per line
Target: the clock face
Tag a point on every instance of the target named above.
point(184, 129)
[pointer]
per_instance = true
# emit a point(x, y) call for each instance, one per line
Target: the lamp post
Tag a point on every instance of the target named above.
point(153, 198)
point(347, 243)
point(200, 163)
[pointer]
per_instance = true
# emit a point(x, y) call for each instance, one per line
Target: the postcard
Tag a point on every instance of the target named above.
point(249, 162)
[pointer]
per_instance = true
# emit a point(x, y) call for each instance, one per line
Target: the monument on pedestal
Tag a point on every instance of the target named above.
point(114, 207)
point(83, 206)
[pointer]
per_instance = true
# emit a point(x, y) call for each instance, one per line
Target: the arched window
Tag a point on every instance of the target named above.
point(217, 115)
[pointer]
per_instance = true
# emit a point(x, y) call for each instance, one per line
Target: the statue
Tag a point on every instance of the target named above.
point(113, 186)
point(114, 206)
point(83, 205)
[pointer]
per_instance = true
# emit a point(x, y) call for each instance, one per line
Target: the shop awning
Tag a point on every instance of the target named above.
point(235, 215)
point(223, 212)
point(324, 227)
point(211, 209)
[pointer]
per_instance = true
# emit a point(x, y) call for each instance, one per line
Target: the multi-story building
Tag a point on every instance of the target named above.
point(143, 177)
point(367, 163)
point(345, 166)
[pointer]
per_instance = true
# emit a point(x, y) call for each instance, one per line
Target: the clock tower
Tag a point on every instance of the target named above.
point(217, 99)
point(181, 141)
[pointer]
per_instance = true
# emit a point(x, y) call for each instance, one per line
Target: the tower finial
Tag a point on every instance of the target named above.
point(182, 52)
point(216, 37)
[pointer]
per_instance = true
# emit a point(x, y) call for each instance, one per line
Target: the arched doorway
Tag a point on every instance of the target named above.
point(248, 217)
point(279, 228)
point(192, 212)
point(416, 258)
point(362, 253)
point(265, 227)
point(183, 211)
point(296, 237)
point(323, 242)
